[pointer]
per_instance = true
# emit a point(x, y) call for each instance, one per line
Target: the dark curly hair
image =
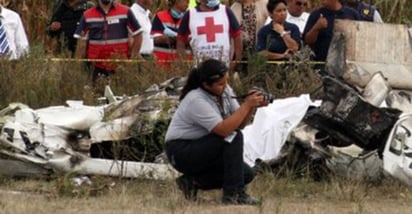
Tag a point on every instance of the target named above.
point(271, 5)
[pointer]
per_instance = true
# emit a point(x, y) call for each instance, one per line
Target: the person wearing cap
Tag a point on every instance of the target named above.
point(366, 11)
point(204, 141)
point(164, 31)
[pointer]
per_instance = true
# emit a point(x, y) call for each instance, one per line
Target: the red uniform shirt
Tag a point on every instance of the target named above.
point(107, 34)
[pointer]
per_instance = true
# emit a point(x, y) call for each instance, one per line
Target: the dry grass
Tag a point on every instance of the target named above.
point(279, 195)
point(38, 81)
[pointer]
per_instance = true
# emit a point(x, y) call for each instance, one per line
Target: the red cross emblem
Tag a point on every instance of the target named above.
point(210, 29)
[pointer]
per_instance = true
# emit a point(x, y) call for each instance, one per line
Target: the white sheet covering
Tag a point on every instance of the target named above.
point(271, 126)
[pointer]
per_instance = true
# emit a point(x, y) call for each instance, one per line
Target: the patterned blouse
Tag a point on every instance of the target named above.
point(249, 28)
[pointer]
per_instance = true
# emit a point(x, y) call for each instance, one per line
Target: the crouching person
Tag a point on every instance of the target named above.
point(203, 140)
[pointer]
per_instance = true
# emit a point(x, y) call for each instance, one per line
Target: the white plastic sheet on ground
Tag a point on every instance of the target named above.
point(271, 126)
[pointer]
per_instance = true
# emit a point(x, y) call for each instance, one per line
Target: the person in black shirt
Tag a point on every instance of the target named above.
point(318, 31)
point(63, 23)
point(367, 11)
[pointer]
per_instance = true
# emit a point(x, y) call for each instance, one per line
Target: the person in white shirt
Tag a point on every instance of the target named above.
point(141, 10)
point(296, 13)
point(15, 33)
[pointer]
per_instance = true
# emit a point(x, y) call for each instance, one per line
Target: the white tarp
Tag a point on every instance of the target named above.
point(271, 126)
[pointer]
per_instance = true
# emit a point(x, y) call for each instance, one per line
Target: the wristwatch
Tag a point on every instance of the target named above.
point(284, 33)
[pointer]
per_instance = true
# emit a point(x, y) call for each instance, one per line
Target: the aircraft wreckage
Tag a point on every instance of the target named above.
point(362, 127)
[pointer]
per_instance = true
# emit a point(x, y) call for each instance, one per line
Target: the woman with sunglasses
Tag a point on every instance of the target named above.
point(296, 13)
point(279, 39)
point(203, 140)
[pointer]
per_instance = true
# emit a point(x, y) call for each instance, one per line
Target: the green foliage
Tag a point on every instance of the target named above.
point(395, 11)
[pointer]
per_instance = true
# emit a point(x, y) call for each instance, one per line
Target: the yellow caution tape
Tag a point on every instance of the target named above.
point(54, 59)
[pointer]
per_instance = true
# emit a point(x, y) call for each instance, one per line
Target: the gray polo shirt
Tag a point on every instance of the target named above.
point(198, 113)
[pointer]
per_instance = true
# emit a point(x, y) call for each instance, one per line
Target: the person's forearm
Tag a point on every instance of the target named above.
point(161, 40)
point(234, 121)
point(290, 43)
point(81, 49)
point(137, 44)
point(181, 46)
point(247, 118)
point(238, 47)
point(311, 36)
point(270, 55)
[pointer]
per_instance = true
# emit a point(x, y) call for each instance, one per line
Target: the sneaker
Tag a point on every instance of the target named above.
point(187, 186)
point(240, 199)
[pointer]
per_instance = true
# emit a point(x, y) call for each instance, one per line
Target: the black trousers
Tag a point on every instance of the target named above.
point(212, 162)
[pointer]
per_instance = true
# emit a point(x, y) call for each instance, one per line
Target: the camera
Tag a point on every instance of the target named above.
point(266, 95)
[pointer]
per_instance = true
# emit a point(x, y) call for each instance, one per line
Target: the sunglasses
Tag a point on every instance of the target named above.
point(299, 3)
point(215, 77)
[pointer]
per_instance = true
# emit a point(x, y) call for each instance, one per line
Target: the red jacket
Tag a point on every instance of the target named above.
point(165, 53)
point(107, 34)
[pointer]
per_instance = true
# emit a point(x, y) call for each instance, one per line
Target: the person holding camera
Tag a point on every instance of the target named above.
point(203, 140)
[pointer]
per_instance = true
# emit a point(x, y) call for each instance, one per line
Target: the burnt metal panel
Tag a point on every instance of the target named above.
point(348, 119)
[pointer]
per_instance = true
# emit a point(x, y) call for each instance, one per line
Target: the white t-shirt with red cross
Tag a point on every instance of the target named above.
point(210, 34)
